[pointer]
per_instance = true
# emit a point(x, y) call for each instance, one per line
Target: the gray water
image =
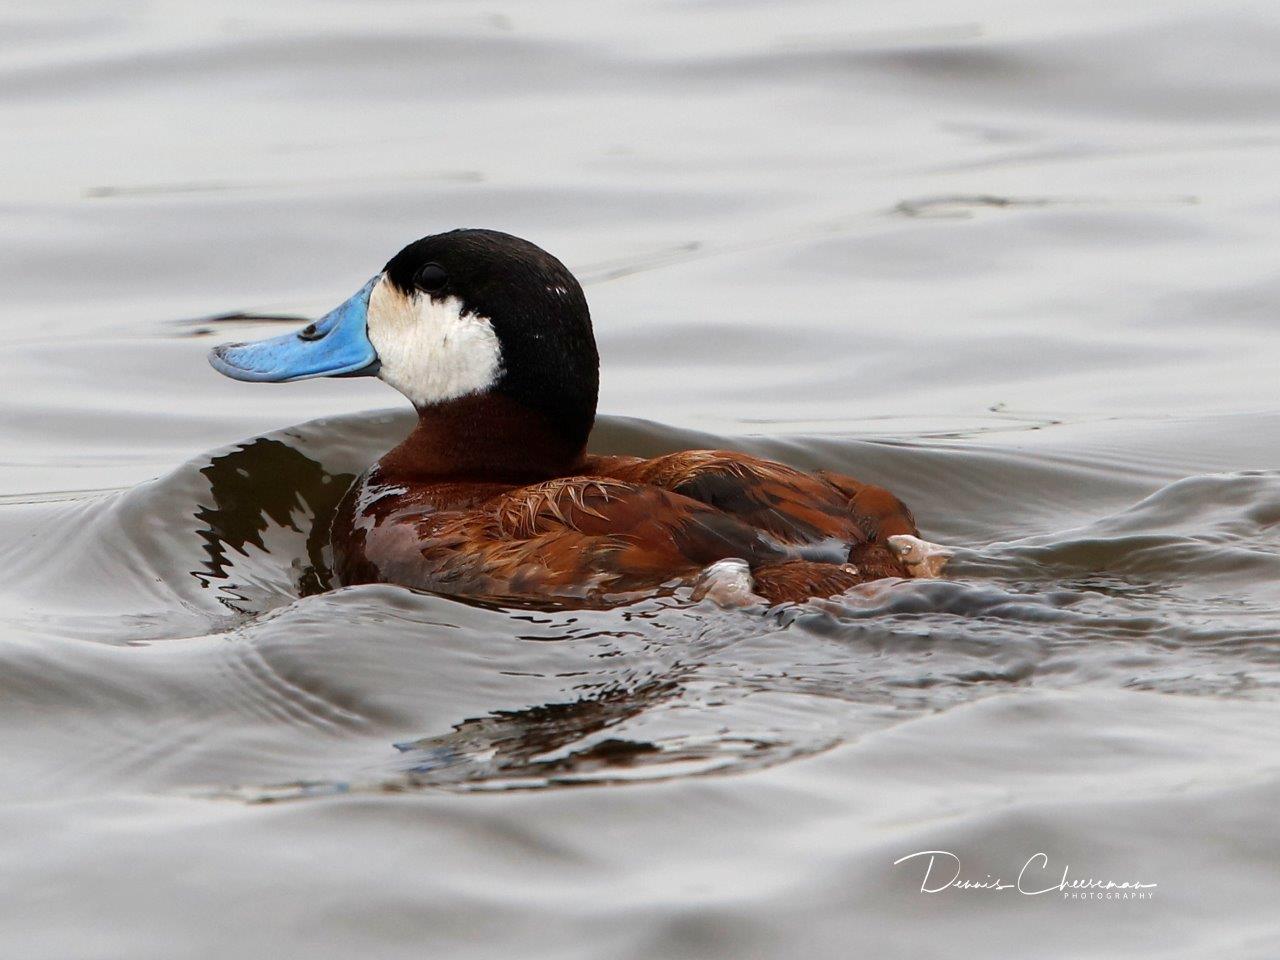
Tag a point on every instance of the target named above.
point(1014, 261)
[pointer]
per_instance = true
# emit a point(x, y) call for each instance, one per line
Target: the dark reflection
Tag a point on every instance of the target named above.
point(513, 743)
point(207, 326)
point(261, 483)
point(534, 748)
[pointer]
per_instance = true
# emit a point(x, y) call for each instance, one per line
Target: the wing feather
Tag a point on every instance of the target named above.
point(789, 504)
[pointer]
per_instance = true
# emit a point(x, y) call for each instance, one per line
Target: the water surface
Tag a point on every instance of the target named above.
point(1015, 262)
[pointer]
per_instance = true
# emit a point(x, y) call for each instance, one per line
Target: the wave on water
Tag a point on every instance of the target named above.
point(208, 633)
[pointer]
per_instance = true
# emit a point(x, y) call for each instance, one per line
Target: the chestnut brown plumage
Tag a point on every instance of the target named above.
point(616, 527)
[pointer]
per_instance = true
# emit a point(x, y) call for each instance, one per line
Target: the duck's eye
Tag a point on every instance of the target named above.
point(431, 278)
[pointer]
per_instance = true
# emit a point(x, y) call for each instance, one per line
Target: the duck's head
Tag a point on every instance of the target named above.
point(465, 314)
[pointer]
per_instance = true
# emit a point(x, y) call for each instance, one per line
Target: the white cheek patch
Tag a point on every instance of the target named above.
point(429, 350)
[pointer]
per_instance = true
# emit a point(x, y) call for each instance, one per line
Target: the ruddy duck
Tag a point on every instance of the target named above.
point(493, 495)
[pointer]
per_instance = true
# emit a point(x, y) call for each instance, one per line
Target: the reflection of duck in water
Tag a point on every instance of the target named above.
point(493, 495)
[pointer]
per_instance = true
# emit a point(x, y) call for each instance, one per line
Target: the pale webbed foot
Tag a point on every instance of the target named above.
point(921, 558)
point(727, 583)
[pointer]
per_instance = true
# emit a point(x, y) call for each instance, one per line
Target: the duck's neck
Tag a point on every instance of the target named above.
point(484, 436)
